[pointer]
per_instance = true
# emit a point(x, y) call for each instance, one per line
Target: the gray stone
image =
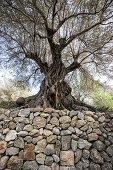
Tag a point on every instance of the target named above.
point(94, 166)
point(96, 157)
point(109, 150)
point(86, 154)
point(41, 145)
point(66, 141)
point(19, 127)
point(78, 155)
point(80, 115)
point(101, 119)
point(49, 160)
point(19, 142)
point(92, 137)
point(56, 131)
point(40, 158)
point(64, 126)
point(30, 165)
point(79, 166)
point(65, 132)
point(74, 145)
point(85, 163)
point(24, 112)
point(56, 158)
point(55, 166)
point(12, 151)
point(11, 135)
point(22, 133)
point(73, 113)
point(107, 166)
point(105, 156)
point(78, 132)
point(44, 167)
point(28, 139)
point(80, 123)
point(49, 150)
point(83, 144)
point(99, 145)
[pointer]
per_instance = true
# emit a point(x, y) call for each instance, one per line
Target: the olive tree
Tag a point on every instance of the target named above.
point(54, 38)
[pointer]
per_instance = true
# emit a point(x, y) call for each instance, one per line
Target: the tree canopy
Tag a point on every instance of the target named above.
point(54, 38)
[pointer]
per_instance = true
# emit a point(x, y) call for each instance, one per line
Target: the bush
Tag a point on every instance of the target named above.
point(102, 100)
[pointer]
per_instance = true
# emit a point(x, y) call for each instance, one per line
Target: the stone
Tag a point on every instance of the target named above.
point(74, 145)
point(89, 119)
point(3, 146)
point(84, 128)
point(54, 121)
point(37, 109)
point(55, 166)
point(28, 128)
point(86, 154)
point(65, 119)
point(73, 121)
point(78, 132)
point(80, 123)
point(12, 125)
point(56, 131)
point(73, 113)
point(66, 142)
point(56, 158)
point(100, 146)
point(40, 122)
point(79, 166)
point(71, 129)
point(67, 168)
point(19, 127)
point(65, 132)
point(22, 133)
point(41, 145)
point(21, 120)
point(49, 160)
point(49, 126)
point(107, 166)
point(78, 155)
point(51, 139)
point(29, 152)
point(14, 113)
point(28, 139)
point(105, 156)
point(21, 154)
point(30, 165)
point(20, 101)
point(109, 150)
point(67, 158)
point(11, 135)
point(64, 126)
point(3, 162)
point(44, 167)
point(94, 166)
point(45, 115)
point(96, 157)
point(12, 151)
point(49, 150)
point(92, 137)
point(24, 112)
point(75, 137)
point(34, 132)
point(83, 144)
point(41, 131)
point(47, 132)
point(15, 163)
point(88, 113)
point(19, 142)
point(2, 117)
point(80, 115)
point(57, 147)
point(48, 110)
point(97, 131)
point(40, 158)
point(101, 119)
point(5, 131)
point(36, 114)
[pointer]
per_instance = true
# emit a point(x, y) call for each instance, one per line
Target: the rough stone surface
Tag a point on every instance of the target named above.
point(40, 122)
point(30, 165)
point(66, 142)
point(24, 112)
point(12, 151)
point(3, 162)
point(40, 158)
point(96, 157)
point(40, 147)
point(67, 158)
point(29, 152)
point(11, 135)
point(15, 163)
point(3, 146)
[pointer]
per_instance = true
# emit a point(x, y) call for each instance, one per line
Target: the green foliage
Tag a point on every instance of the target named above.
point(103, 101)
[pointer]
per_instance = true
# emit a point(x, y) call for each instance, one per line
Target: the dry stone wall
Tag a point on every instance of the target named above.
point(37, 139)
